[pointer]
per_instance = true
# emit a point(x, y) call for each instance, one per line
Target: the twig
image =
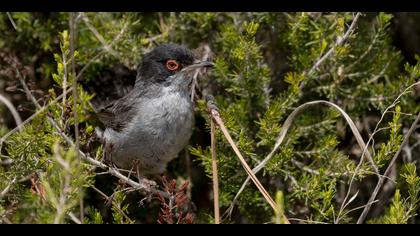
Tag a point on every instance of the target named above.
point(106, 46)
point(73, 73)
point(6, 190)
point(60, 203)
point(214, 172)
point(308, 221)
point(72, 26)
point(109, 199)
point(388, 169)
point(188, 170)
point(216, 116)
point(12, 21)
point(64, 86)
point(340, 40)
point(366, 52)
point(99, 54)
point(205, 57)
point(74, 218)
point(13, 110)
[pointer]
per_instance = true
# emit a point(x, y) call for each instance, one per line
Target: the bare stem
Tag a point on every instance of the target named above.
point(215, 115)
point(215, 173)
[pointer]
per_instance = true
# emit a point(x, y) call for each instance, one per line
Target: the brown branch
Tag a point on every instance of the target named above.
point(216, 116)
point(215, 173)
point(6, 190)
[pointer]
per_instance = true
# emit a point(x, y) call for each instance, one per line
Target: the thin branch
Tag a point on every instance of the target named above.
point(6, 190)
point(64, 86)
point(72, 26)
point(101, 39)
point(366, 52)
point(12, 21)
point(109, 199)
point(102, 52)
point(13, 110)
point(194, 83)
point(214, 172)
point(387, 171)
point(339, 42)
point(74, 218)
point(216, 116)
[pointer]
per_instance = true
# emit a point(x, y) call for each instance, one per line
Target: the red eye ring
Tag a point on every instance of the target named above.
point(172, 65)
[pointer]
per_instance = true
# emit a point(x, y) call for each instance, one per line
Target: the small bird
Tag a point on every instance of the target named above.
point(148, 126)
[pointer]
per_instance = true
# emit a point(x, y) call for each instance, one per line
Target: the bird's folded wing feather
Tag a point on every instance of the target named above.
point(116, 115)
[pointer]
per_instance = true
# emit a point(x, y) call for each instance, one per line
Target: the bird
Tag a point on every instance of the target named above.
point(151, 121)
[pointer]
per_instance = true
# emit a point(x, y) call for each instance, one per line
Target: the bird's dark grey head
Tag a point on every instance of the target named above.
point(164, 61)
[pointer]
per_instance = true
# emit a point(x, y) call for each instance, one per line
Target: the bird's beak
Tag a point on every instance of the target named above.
point(198, 64)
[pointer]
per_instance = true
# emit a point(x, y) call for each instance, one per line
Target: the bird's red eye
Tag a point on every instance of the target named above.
point(172, 65)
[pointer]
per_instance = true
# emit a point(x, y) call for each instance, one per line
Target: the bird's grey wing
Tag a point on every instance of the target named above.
point(116, 115)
